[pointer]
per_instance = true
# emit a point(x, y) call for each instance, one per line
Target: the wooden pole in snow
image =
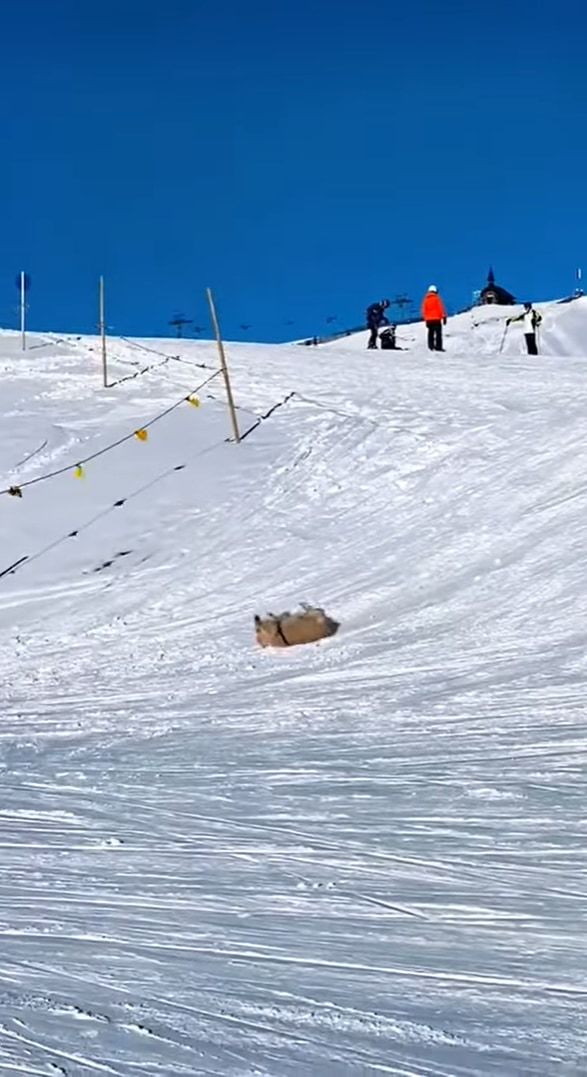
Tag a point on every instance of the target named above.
point(103, 333)
point(23, 309)
point(223, 365)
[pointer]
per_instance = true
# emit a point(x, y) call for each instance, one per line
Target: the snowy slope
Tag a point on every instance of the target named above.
point(363, 857)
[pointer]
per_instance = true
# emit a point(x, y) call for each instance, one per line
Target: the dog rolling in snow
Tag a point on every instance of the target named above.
point(292, 629)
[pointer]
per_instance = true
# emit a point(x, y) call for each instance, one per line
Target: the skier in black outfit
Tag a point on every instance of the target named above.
point(375, 319)
point(388, 339)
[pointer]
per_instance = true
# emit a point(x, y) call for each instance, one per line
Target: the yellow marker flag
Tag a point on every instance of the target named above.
point(194, 401)
point(142, 435)
point(79, 471)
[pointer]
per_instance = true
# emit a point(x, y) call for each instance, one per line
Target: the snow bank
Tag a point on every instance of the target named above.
point(365, 856)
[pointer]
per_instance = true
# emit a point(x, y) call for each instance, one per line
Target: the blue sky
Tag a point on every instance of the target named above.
point(302, 158)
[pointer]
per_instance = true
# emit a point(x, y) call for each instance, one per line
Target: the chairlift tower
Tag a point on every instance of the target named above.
point(402, 301)
point(178, 321)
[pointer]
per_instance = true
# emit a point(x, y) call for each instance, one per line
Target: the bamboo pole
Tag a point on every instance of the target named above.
point(23, 309)
point(223, 365)
point(103, 333)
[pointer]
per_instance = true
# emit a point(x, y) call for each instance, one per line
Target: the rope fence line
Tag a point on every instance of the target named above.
point(238, 407)
point(166, 359)
point(141, 433)
point(294, 393)
point(136, 373)
point(267, 415)
point(152, 366)
point(165, 355)
point(179, 359)
point(120, 502)
point(145, 348)
point(28, 558)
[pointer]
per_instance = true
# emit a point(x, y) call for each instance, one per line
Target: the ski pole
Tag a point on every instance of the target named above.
point(505, 333)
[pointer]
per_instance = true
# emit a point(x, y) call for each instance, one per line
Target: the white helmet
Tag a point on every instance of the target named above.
point(433, 288)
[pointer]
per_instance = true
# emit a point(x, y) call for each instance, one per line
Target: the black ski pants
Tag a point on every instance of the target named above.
point(374, 336)
point(531, 343)
point(434, 336)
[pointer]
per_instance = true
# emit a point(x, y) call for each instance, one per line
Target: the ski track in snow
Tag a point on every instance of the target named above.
point(364, 857)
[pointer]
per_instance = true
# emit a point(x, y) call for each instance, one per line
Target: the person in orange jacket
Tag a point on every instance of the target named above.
point(434, 314)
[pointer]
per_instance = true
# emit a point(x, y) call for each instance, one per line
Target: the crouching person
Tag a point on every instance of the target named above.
point(388, 339)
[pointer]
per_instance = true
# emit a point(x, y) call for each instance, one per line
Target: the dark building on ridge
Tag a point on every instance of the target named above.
point(493, 293)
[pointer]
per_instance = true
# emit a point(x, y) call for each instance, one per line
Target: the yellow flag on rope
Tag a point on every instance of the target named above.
point(194, 401)
point(79, 471)
point(142, 435)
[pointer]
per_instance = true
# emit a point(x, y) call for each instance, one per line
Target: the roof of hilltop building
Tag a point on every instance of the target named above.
point(494, 293)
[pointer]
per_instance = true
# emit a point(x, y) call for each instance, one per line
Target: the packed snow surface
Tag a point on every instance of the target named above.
point(367, 856)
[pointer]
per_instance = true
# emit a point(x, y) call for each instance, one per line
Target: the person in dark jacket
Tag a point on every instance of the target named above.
point(376, 317)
